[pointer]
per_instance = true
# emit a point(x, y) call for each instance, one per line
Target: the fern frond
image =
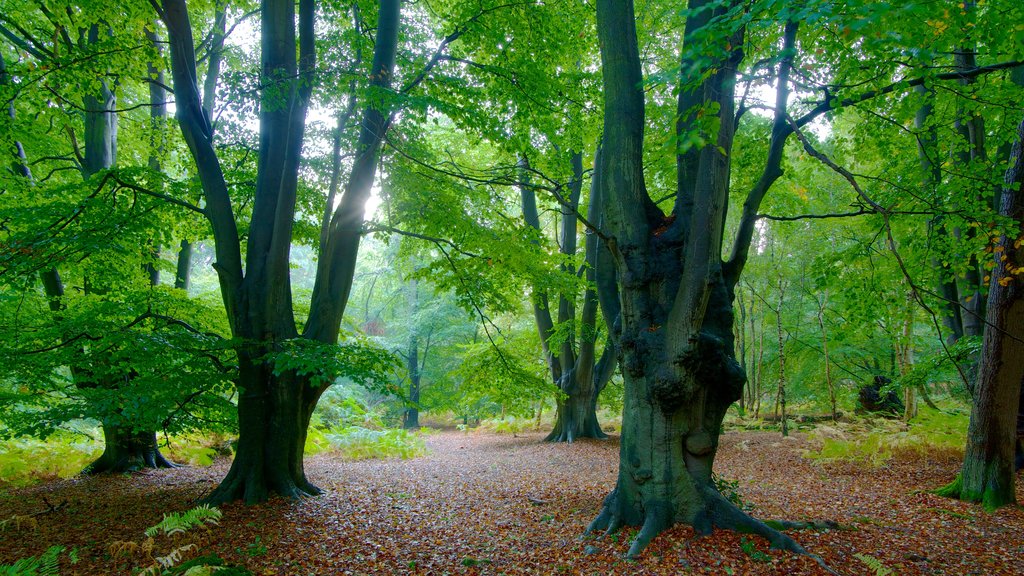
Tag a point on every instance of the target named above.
point(874, 564)
point(176, 523)
point(175, 556)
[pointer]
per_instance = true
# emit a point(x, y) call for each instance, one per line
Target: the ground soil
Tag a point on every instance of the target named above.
point(497, 504)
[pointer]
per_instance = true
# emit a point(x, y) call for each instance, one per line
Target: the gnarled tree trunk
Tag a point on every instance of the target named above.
point(676, 339)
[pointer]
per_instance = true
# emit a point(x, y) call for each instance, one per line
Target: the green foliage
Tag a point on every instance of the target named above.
point(508, 425)
point(25, 461)
point(178, 523)
point(46, 564)
point(749, 548)
point(874, 442)
point(730, 489)
point(358, 359)
point(874, 564)
point(358, 443)
point(943, 365)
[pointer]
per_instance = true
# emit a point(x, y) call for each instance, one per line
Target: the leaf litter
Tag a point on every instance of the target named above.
point(481, 504)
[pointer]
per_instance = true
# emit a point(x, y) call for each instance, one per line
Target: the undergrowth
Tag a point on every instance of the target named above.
point(875, 441)
point(358, 443)
point(26, 461)
point(46, 564)
point(508, 425)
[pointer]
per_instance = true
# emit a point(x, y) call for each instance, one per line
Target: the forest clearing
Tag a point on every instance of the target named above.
point(712, 286)
point(486, 503)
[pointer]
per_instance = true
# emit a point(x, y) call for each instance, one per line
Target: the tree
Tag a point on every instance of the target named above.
point(574, 367)
point(987, 475)
point(676, 337)
point(282, 371)
point(90, 219)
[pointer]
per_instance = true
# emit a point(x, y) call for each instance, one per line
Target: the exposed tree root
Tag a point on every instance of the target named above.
point(253, 488)
point(806, 525)
point(718, 513)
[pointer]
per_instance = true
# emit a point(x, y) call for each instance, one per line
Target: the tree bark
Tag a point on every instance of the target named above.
point(987, 475)
point(579, 375)
point(125, 450)
point(676, 340)
point(274, 409)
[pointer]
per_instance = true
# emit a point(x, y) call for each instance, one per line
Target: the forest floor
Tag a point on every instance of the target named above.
point(481, 503)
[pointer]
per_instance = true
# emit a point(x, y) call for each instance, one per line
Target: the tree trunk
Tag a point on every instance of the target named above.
point(676, 336)
point(987, 475)
point(274, 410)
point(1019, 455)
point(742, 325)
point(781, 394)
point(828, 361)
point(580, 377)
point(125, 450)
point(273, 419)
point(411, 419)
point(669, 439)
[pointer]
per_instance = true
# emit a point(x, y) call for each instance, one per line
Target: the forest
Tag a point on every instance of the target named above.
point(511, 287)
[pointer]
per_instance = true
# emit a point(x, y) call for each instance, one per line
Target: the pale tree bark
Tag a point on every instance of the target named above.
point(780, 398)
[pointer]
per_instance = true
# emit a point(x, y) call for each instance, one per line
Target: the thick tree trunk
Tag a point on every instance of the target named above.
point(576, 415)
point(125, 450)
point(987, 473)
point(676, 341)
point(273, 419)
point(670, 428)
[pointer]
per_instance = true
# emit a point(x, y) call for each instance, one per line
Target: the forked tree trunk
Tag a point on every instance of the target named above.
point(274, 410)
point(574, 368)
point(676, 337)
point(987, 475)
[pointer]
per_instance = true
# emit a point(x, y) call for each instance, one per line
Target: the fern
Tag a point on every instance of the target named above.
point(875, 565)
point(179, 523)
point(47, 564)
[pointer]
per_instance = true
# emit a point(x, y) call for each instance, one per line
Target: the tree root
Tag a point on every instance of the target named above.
point(806, 525)
point(719, 513)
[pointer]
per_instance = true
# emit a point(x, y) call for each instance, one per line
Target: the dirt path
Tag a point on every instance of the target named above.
point(486, 504)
